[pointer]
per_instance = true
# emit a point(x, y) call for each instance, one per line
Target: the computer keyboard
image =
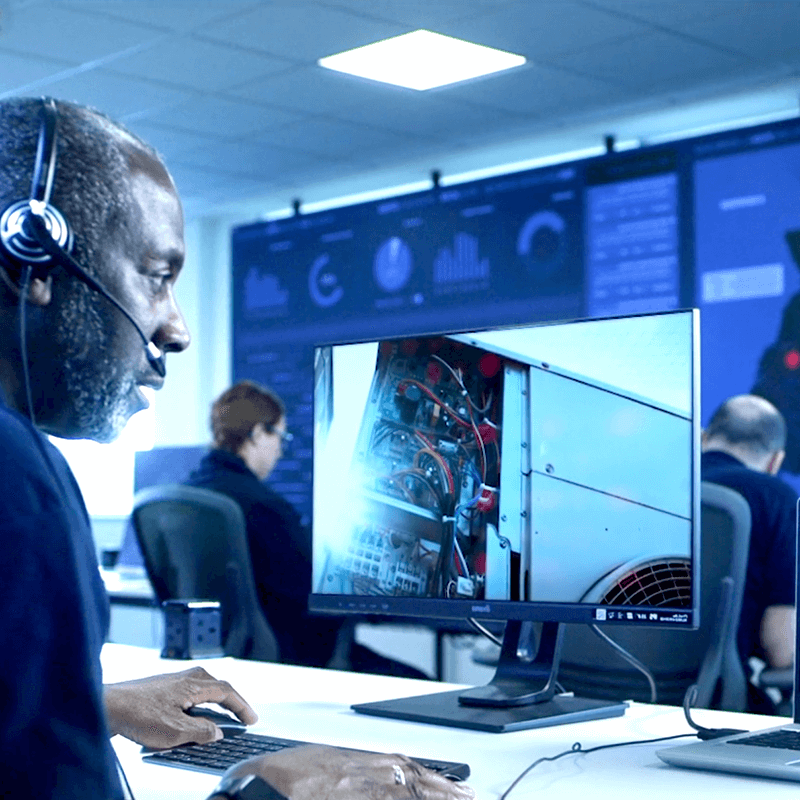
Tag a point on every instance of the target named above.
point(216, 757)
point(782, 739)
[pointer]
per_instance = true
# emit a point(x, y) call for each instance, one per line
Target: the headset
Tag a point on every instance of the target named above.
point(35, 236)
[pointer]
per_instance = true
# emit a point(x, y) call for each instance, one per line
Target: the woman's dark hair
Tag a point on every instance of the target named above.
point(239, 409)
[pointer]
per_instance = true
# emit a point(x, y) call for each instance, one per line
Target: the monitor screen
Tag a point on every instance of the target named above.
point(545, 472)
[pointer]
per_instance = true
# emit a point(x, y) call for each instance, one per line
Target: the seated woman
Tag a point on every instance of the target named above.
point(248, 424)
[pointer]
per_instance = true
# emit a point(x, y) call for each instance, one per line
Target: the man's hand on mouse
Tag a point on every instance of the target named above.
point(151, 711)
point(314, 771)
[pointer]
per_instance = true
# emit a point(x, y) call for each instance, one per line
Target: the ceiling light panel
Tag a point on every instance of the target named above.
point(421, 60)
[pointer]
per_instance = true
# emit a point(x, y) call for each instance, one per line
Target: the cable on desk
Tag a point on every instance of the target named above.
point(123, 779)
point(577, 748)
point(703, 733)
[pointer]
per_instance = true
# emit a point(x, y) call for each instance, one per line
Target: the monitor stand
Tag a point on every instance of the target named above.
point(520, 695)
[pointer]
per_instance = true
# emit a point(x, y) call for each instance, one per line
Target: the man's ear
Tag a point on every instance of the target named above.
point(40, 290)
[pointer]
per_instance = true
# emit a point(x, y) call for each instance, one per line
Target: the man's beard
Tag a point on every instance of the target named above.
point(97, 383)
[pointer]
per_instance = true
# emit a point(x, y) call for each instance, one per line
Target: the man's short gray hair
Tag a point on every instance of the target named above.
point(750, 423)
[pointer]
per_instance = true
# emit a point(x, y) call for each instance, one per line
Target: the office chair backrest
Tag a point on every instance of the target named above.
point(707, 656)
point(194, 543)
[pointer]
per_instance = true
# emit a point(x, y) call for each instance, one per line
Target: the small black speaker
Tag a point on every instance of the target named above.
point(192, 629)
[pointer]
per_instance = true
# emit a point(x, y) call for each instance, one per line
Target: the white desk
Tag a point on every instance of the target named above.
point(308, 704)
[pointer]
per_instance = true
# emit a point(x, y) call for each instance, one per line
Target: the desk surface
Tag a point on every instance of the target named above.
point(310, 704)
point(129, 587)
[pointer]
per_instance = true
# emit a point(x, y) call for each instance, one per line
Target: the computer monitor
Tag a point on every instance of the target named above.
point(545, 473)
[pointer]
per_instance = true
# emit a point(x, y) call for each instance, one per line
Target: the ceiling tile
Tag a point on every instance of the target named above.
point(231, 119)
point(193, 182)
point(765, 30)
point(229, 92)
point(19, 71)
point(252, 160)
point(170, 143)
point(423, 114)
point(535, 89)
point(200, 65)
point(301, 31)
point(334, 139)
point(174, 15)
point(312, 89)
point(54, 30)
point(656, 60)
point(674, 14)
point(544, 28)
point(115, 95)
point(418, 13)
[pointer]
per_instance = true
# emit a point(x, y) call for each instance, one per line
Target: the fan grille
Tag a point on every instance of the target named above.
point(657, 583)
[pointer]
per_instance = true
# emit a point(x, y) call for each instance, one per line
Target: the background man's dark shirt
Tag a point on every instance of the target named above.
point(771, 564)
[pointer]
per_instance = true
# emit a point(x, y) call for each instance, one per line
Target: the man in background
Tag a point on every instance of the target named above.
point(248, 425)
point(743, 449)
point(85, 321)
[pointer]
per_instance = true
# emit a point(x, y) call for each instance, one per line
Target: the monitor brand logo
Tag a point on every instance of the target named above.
point(481, 609)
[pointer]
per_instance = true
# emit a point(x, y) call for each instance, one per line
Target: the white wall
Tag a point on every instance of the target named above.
point(196, 376)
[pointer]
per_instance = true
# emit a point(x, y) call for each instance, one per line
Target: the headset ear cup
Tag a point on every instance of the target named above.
point(20, 244)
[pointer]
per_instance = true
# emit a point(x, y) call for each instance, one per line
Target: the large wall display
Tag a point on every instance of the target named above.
point(711, 222)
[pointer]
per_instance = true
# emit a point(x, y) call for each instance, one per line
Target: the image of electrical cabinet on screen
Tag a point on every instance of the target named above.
point(550, 463)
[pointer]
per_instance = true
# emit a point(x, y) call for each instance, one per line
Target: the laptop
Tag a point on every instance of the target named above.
point(769, 753)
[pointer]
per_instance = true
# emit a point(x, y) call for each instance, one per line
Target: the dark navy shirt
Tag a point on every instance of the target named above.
point(771, 563)
point(280, 552)
point(54, 741)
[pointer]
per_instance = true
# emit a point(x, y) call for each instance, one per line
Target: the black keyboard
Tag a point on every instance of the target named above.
point(216, 757)
point(782, 739)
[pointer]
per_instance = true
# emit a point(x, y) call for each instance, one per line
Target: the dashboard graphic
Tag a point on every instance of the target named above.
point(323, 283)
point(705, 222)
point(393, 264)
point(540, 243)
point(461, 262)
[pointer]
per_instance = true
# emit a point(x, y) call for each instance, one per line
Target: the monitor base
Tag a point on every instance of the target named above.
point(445, 709)
point(522, 693)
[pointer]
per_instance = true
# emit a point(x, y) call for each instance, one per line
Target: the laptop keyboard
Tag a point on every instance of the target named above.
point(783, 739)
point(216, 757)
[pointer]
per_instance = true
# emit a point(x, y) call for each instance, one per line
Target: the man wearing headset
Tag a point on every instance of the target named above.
point(91, 244)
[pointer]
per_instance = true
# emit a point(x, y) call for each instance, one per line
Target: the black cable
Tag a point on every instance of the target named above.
point(23, 340)
point(577, 748)
point(703, 733)
point(483, 631)
point(631, 659)
point(126, 787)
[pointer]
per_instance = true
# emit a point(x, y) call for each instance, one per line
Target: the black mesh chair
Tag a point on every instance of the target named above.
point(707, 656)
point(194, 544)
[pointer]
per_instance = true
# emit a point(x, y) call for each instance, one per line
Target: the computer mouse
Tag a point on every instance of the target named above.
point(229, 725)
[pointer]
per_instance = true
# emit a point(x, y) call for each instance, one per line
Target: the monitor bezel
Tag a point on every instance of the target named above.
point(440, 609)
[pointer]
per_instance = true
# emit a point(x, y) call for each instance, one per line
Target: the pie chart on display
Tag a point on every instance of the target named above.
point(393, 264)
point(541, 244)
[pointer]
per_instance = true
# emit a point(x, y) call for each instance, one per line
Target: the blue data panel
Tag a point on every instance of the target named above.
point(712, 222)
point(499, 251)
point(747, 211)
point(632, 246)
